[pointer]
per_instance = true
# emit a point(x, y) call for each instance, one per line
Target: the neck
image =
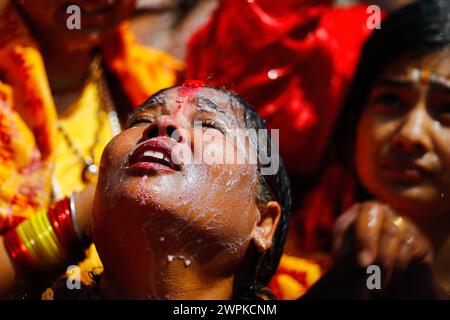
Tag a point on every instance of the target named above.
point(67, 70)
point(175, 282)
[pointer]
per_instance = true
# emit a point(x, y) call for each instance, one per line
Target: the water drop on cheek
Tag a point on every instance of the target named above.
point(141, 191)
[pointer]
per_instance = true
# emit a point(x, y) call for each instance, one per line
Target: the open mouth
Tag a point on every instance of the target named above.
point(153, 155)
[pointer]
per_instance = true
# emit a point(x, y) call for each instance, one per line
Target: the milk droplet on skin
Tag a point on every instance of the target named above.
point(141, 192)
point(187, 262)
point(170, 258)
point(162, 239)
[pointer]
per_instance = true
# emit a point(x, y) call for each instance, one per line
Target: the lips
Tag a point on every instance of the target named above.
point(154, 155)
point(404, 171)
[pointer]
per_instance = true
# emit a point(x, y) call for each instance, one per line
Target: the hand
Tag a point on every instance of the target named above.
point(84, 201)
point(379, 236)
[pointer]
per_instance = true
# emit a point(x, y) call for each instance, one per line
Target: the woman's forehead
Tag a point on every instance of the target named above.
point(185, 99)
point(437, 62)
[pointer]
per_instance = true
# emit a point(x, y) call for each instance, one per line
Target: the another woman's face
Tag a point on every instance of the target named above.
point(153, 198)
point(49, 18)
point(403, 136)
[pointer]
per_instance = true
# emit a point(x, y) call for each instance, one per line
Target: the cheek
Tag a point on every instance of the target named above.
point(372, 142)
point(121, 145)
point(220, 198)
point(114, 159)
point(442, 149)
point(364, 153)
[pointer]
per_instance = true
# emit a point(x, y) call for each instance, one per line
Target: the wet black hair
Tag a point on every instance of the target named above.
point(418, 28)
point(275, 187)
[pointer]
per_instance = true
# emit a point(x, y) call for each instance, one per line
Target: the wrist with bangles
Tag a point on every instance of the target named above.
point(47, 241)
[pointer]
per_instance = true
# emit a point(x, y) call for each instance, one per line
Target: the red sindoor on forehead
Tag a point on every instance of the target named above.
point(193, 84)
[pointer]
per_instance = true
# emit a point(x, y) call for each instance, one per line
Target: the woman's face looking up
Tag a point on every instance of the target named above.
point(403, 136)
point(152, 196)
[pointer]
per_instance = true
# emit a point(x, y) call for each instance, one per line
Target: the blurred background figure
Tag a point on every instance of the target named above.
point(63, 95)
point(167, 25)
point(387, 168)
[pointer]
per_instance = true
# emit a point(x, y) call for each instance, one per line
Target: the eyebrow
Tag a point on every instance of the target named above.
point(153, 102)
point(156, 101)
point(436, 82)
point(207, 105)
point(395, 82)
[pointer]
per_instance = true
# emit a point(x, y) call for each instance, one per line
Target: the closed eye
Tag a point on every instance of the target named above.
point(140, 119)
point(214, 125)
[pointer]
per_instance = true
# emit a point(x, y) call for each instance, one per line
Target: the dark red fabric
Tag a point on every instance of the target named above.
point(292, 60)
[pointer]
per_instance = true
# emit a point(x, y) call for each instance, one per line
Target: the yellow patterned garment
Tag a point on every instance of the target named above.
point(88, 111)
point(68, 166)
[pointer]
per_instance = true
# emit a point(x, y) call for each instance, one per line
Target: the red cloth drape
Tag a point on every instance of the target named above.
point(292, 60)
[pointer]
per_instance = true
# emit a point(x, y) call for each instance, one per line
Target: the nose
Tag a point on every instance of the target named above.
point(164, 127)
point(412, 137)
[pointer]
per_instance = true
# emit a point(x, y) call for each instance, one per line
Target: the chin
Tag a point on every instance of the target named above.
point(415, 202)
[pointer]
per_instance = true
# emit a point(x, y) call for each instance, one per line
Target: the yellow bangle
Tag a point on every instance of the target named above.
point(40, 240)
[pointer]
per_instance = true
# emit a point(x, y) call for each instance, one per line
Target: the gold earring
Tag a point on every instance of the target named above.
point(262, 244)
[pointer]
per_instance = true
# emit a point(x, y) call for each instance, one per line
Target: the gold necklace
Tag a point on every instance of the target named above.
point(90, 169)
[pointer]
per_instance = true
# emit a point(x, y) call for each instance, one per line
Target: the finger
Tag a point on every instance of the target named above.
point(389, 247)
point(367, 232)
point(422, 248)
point(414, 247)
point(342, 226)
point(404, 257)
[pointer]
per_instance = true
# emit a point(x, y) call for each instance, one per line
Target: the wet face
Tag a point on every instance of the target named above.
point(160, 195)
point(403, 136)
point(49, 19)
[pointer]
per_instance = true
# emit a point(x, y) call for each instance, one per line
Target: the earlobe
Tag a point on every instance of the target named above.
point(265, 229)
